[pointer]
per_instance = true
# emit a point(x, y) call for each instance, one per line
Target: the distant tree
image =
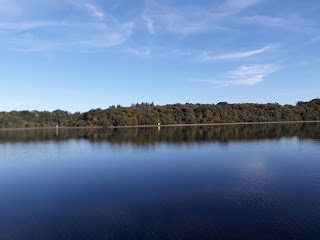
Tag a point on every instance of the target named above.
point(148, 114)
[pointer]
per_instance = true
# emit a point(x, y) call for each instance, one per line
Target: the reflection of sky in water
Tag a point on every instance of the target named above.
point(256, 167)
point(223, 186)
point(77, 154)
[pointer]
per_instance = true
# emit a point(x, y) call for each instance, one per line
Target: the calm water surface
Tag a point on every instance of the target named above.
point(232, 182)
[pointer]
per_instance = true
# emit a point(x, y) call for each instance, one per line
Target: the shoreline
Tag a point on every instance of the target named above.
point(158, 126)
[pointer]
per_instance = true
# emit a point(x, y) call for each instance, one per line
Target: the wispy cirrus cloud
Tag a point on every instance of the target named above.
point(94, 10)
point(290, 22)
point(194, 19)
point(220, 16)
point(188, 22)
point(32, 33)
point(109, 38)
point(29, 25)
point(246, 75)
point(88, 38)
point(137, 51)
point(149, 22)
point(207, 56)
point(183, 20)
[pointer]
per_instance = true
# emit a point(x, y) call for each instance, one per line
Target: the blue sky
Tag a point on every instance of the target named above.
point(77, 55)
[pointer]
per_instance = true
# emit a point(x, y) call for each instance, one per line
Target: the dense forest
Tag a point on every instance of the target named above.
point(150, 114)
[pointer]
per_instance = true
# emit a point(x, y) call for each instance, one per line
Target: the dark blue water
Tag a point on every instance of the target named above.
point(241, 182)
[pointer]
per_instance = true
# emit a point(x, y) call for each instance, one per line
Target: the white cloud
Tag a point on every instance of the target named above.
point(228, 15)
point(108, 39)
point(40, 34)
point(90, 7)
point(94, 10)
point(206, 56)
point(183, 20)
point(137, 51)
point(189, 23)
point(88, 37)
point(28, 25)
point(290, 22)
point(149, 22)
point(193, 19)
point(246, 75)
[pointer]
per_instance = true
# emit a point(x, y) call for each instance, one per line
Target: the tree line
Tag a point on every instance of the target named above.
point(151, 114)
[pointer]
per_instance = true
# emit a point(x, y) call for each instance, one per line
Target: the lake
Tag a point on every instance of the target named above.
point(217, 182)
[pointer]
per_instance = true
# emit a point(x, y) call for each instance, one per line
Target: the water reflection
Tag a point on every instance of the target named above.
point(221, 182)
point(147, 136)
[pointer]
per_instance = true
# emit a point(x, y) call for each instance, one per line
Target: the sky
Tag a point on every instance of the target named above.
point(77, 55)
